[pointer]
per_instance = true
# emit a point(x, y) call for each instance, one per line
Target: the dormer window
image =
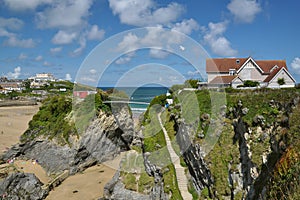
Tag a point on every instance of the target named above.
point(237, 61)
point(231, 72)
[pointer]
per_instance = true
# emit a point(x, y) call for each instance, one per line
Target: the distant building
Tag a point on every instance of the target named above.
point(11, 86)
point(40, 80)
point(225, 72)
point(83, 94)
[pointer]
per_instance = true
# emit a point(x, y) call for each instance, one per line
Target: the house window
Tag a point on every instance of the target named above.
point(232, 72)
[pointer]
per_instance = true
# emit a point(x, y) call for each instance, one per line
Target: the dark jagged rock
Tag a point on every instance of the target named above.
point(193, 157)
point(240, 128)
point(157, 192)
point(22, 186)
point(54, 158)
point(115, 189)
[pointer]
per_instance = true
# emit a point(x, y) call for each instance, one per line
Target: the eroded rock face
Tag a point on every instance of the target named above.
point(103, 140)
point(22, 186)
point(115, 189)
point(194, 159)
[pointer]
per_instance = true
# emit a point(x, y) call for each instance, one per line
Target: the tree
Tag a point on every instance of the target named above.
point(280, 81)
point(191, 83)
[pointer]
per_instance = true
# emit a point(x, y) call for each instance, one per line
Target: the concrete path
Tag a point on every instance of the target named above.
point(180, 174)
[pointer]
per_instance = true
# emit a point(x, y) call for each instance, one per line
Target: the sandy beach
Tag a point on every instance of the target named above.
point(13, 123)
point(86, 185)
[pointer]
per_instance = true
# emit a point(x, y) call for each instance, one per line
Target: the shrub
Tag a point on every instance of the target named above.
point(249, 83)
point(281, 81)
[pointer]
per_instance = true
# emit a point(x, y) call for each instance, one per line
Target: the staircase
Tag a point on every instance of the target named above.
point(180, 174)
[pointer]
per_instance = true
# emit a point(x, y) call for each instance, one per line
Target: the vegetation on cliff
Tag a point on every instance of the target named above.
point(263, 110)
point(59, 119)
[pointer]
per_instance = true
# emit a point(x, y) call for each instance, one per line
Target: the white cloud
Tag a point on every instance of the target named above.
point(47, 64)
point(82, 45)
point(16, 42)
point(125, 59)
point(217, 42)
point(68, 77)
point(93, 71)
point(22, 56)
point(158, 39)
point(186, 26)
point(20, 5)
point(11, 23)
point(244, 11)
point(158, 53)
point(296, 65)
point(95, 34)
point(5, 33)
point(88, 79)
point(145, 12)
point(15, 74)
point(64, 14)
point(39, 58)
point(63, 37)
point(129, 42)
point(55, 50)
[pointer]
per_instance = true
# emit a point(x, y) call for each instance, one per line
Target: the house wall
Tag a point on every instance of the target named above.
point(282, 74)
point(251, 72)
point(236, 82)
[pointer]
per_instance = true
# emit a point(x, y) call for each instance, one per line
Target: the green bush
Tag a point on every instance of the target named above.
point(51, 122)
point(249, 83)
point(281, 81)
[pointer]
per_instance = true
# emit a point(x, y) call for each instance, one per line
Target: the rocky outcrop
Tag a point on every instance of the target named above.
point(254, 182)
point(22, 186)
point(115, 189)
point(105, 137)
point(193, 157)
point(157, 192)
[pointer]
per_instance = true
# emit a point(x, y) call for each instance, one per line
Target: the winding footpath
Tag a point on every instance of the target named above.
point(180, 174)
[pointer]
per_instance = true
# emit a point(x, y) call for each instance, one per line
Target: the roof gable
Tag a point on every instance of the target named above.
point(277, 71)
point(247, 61)
point(225, 64)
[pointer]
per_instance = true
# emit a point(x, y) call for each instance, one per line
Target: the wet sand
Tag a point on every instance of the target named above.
point(13, 123)
point(86, 185)
point(32, 167)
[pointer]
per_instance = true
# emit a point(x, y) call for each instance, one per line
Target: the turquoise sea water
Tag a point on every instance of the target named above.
point(141, 94)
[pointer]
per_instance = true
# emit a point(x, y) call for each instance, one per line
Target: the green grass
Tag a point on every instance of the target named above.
point(51, 122)
point(170, 183)
point(145, 182)
point(154, 142)
point(129, 181)
point(223, 153)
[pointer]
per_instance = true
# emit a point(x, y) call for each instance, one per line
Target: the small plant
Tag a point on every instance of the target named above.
point(249, 83)
point(280, 81)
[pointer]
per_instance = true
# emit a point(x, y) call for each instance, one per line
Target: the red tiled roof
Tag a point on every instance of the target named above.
point(222, 80)
point(224, 64)
point(267, 65)
point(273, 73)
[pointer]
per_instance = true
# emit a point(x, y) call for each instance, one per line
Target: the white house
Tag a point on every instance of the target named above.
point(235, 71)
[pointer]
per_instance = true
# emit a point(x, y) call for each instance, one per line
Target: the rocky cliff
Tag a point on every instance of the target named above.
point(22, 186)
point(103, 140)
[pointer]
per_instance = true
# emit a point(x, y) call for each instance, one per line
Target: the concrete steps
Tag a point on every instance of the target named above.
point(180, 173)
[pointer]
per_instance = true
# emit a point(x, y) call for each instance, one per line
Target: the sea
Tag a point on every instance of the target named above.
point(140, 94)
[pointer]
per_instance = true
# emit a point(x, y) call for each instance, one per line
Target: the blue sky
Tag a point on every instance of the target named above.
point(57, 36)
